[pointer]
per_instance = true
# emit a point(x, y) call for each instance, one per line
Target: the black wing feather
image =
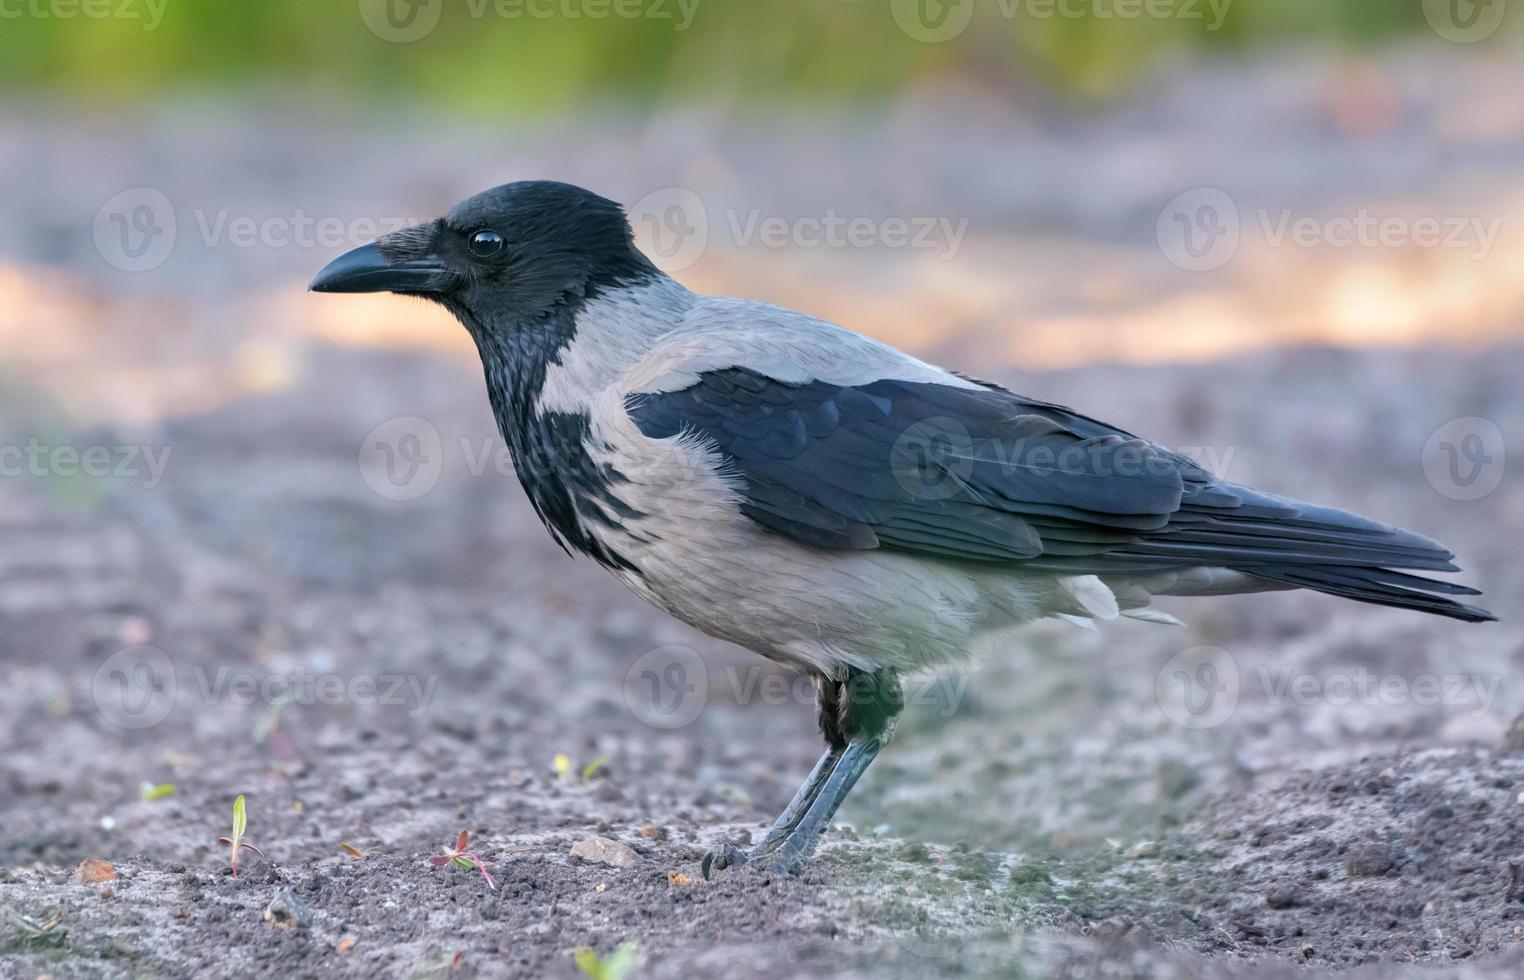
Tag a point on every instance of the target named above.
point(986, 475)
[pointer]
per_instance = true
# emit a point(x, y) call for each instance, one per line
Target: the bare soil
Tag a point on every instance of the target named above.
point(1290, 785)
point(1046, 814)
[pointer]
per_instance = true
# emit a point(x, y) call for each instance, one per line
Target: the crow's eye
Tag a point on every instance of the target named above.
point(485, 244)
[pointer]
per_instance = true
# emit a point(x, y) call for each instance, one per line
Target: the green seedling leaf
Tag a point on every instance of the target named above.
point(611, 967)
point(156, 791)
point(236, 842)
point(269, 720)
point(591, 769)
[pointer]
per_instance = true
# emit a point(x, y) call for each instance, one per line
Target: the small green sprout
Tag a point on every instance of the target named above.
point(462, 858)
point(236, 842)
point(31, 933)
point(156, 791)
point(267, 726)
point(561, 765)
point(611, 967)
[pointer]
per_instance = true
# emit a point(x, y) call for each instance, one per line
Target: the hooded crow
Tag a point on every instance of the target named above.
point(826, 500)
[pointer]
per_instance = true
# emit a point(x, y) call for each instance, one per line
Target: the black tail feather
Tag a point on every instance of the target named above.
point(1380, 586)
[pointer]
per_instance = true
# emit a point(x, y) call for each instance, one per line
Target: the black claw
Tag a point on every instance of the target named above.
point(725, 856)
point(788, 859)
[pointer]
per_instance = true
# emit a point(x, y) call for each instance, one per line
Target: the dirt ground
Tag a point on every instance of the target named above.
point(1046, 814)
point(251, 602)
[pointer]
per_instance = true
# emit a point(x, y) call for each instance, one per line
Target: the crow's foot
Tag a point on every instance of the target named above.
point(782, 855)
point(726, 855)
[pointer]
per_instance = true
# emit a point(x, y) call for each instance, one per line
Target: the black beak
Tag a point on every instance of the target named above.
point(366, 270)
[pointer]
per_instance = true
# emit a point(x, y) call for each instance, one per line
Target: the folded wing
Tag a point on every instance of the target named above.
point(983, 475)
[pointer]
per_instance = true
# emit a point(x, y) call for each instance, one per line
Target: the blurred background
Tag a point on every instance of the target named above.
point(1045, 182)
point(1285, 236)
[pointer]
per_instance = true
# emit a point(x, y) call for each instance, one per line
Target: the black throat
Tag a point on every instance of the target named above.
point(570, 491)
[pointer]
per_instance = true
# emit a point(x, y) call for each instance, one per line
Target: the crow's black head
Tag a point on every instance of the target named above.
point(505, 256)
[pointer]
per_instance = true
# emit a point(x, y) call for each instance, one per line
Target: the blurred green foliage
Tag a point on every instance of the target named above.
point(507, 55)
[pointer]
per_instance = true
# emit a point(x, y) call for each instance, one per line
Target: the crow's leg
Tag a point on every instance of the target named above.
point(728, 854)
point(857, 716)
point(806, 794)
point(791, 851)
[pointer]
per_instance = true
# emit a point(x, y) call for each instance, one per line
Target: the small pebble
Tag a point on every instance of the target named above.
point(93, 871)
point(286, 911)
point(1369, 861)
point(601, 850)
point(1282, 898)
